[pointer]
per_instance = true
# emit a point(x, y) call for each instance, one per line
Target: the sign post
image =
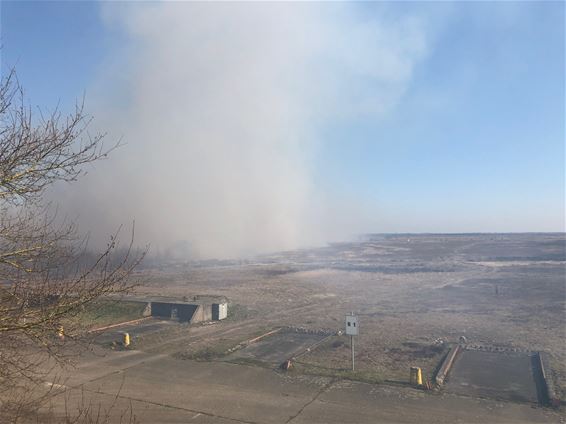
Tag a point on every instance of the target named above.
point(352, 329)
point(353, 356)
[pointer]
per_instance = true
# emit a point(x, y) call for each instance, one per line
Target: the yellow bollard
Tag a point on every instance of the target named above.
point(126, 339)
point(416, 378)
point(61, 332)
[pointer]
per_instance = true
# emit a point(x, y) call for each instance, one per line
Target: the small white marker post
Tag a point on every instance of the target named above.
point(353, 356)
point(352, 330)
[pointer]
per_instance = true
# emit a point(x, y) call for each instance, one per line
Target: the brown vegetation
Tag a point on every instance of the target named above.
point(44, 279)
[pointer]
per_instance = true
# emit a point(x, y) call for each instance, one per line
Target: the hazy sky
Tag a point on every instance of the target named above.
point(255, 127)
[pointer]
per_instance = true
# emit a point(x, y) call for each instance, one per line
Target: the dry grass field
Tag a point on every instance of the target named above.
point(414, 294)
point(415, 297)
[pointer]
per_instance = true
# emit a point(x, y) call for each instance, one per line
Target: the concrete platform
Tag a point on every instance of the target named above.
point(499, 375)
point(161, 389)
point(277, 348)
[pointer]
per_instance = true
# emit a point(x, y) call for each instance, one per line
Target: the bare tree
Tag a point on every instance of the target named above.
point(43, 284)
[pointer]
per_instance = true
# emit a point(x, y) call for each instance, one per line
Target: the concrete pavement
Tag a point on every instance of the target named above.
point(161, 389)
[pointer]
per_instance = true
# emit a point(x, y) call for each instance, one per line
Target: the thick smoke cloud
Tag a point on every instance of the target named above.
point(221, 107)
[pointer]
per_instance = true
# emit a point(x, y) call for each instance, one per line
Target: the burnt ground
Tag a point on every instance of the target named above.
point(414, 294)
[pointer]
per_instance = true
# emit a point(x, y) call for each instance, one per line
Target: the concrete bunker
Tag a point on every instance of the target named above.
point(193, 310)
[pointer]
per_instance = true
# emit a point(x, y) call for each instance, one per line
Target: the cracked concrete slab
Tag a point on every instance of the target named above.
point(163, 389)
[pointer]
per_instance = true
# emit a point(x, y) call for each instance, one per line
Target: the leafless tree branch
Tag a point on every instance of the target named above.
point(44, 281)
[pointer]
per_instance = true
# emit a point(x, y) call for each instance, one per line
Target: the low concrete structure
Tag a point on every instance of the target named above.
point(547, 392)
point(499, 373)
point(184, 312)
point(447, 364)
point(187, 309)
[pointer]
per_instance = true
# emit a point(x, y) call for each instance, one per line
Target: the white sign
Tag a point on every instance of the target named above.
point(352, 325)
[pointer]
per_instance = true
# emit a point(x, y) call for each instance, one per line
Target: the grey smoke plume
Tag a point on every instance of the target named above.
point(221, 105)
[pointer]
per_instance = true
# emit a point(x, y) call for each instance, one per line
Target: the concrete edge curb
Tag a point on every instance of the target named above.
point(447, 365)
point(548, 388)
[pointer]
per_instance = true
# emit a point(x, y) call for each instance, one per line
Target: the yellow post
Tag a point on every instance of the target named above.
point(61, 332)
point(419, 377)
point(416, 378)
point(126, 339)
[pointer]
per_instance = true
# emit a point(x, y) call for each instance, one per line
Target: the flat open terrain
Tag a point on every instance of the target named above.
point(411, 292)
point(161, 389)
point(414, 294)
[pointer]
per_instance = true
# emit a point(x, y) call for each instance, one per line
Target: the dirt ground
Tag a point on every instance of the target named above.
point(413, 294)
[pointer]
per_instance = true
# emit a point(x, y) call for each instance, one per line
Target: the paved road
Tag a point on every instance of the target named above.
point(160, 389)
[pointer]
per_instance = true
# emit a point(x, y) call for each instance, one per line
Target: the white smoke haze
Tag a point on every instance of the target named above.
point(220, 106)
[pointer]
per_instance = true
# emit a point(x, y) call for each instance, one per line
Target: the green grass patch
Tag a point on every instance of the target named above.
point(237, 312)
point(108, 312)
point(209, 353)
point(364, 376)
point(220, 348)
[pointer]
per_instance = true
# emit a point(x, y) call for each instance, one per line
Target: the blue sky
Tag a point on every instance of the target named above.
point(490, 142)
point(474, 142)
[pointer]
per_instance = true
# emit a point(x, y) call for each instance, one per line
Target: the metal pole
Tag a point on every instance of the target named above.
point(352, 343)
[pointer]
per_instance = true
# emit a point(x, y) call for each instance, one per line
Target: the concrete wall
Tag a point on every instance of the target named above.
point(160, 309)
point(206, 312)
point(545, 385)
point(198, 315)
point(182, 311)
point(202, 314)
point(219, 311)
point(447, 364)
point(185, 313)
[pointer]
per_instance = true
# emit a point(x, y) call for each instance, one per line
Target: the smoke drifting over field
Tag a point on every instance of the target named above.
point(221, 108)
